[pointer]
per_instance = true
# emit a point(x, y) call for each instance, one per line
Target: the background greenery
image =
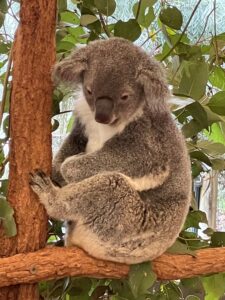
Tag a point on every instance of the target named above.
point(194, 58)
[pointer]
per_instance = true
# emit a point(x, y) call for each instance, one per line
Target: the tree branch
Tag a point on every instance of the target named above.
point(107, 32)
point(183, 32)
point(55, 262)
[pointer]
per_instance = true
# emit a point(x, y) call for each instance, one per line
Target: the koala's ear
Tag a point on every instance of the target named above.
point(70, 69)
point(152, 78)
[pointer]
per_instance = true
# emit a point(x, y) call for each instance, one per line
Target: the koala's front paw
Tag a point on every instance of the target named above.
point(70, 168)
point(42, 185)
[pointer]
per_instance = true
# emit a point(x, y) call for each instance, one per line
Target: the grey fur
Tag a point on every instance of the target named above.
point(127, 198)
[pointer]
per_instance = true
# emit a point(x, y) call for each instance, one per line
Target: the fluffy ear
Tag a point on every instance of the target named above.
point(151, 76)
point(70, 69)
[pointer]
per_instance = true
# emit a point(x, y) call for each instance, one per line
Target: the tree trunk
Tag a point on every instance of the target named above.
point(30, 131)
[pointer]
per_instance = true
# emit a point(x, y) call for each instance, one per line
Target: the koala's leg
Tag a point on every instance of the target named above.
point(105, 209)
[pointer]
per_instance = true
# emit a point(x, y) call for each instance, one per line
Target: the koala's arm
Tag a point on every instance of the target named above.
point(115, 156)
point(74, 144)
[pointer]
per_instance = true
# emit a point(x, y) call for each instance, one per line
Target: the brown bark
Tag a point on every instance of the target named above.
point(30, 130)
point(55, 263)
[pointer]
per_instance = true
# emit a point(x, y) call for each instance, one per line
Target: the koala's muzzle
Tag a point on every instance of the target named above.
point(104, 110)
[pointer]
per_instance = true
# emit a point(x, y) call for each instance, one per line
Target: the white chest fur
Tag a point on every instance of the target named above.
point(96, 133)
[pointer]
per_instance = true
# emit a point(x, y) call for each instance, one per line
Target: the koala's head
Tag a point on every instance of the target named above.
point(117, 78)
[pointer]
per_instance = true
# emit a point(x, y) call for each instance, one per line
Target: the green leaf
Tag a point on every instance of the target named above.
point(218, 239)
point(9, 226)
point(80, 288)
point(129, 30)
point(192, 286)
point(69, 17)
point(6, 215)
point(172, 17)
point(192, 79)
point(141, 278)
point(3, 6)
point(70, 124)
point(194, 218)
point(218, 164)
point(196, 168)
point(172, 291)
point(192, 297)
point(87, 19)
point(5, 209)
point(106, 7)
point(217, 133)
point(199, 122)
point(146, 13)
point(217, 103)
point(217, 76)
point(62, 5)
point(201, 156)
point(122, 289)
point(211, 148)
point(214, 286)
point(4, 48)
point(2, 18)
point(191, 129)
point(180, 248)
point(209, 231)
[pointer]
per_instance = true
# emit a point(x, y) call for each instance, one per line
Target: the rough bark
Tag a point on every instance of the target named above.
point(30, 130)
point(55, 263)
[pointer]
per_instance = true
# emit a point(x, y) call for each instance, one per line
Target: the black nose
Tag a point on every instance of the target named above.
point(104, 110)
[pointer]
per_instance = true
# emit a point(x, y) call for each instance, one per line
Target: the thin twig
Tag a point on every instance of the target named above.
point(107, 32)
point(183, 32)
point(138, 9)
point(150, 37)
point(5, 84)
point(215, 39)
point(203, 31)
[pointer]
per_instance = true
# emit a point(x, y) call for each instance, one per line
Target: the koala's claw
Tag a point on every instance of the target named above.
point(40, 182)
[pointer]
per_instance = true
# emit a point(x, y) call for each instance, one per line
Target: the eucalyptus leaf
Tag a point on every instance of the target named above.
point(3, 6)
point(146, 13)
point(214, 286)
point(2, 18)
point(180, 248)
point(218, 239)
point(69, 17)
point(87, 19)
point(6, 216)
point(217, 76)
point(172, 17)
point(216, 133)
point(192, 297)
point(62, 5)
point(217, 103)
point(129, 30)
point(106, 7)
point(141, 278)
point(194, 218)
point(211, 148)
point(192, 79)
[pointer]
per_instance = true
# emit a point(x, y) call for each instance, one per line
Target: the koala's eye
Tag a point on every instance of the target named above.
point(124, 96)
point(88, 90)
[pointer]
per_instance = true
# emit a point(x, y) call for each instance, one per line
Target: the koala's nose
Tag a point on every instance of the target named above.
point(104, 110)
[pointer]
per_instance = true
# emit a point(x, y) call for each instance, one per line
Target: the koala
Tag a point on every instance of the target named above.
point(123, 172)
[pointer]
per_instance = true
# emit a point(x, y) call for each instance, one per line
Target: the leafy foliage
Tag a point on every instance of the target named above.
point(196, 75)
